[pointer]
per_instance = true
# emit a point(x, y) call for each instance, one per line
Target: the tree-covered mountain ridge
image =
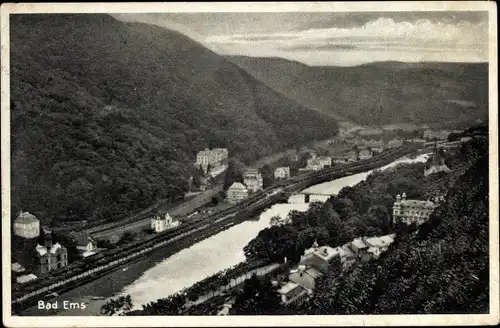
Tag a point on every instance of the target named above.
point(381, 92)
point(106, 116)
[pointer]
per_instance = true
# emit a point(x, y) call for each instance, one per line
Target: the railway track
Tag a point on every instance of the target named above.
point(217, 222)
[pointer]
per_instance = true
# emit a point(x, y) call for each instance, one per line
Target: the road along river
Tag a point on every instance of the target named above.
point(163, 273)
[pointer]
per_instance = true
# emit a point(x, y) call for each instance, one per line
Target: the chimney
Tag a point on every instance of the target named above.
point(404, 196)
point(302, 268)
point(315, 244)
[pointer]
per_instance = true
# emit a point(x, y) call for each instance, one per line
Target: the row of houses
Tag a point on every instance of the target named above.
point(316, 260)
point(316, 163)
point(439, 134)
point(374, 144)
point(353, 156)
point(33, 250)
point(252, 182)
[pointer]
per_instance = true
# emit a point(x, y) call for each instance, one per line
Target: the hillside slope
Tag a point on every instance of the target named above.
point(106, 115)
point(442, 269)
point(380, 93)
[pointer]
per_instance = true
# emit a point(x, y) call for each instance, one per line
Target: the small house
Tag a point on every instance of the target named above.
point(159, 223)
point(85, 244)
point(236, 193)
point(365, 154)
point(282, 172)
point(253, 180)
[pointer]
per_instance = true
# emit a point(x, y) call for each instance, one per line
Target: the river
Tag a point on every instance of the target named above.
point(157, 277)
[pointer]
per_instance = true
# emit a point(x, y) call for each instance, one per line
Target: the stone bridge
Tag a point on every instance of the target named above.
point(307, 197)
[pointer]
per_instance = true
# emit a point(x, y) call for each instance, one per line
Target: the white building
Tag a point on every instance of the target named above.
point(316, 163)
point(27, 225)
point(253, 180)
point(365, 154)
point(394, 143)
point(410, 211)
point(159, 224)
point(375, 143)
point(340, 159)
point(26, 278)
point(86, 245)
point(282, 172)
point(214, 158)
point(236, 193)
point(325, 161)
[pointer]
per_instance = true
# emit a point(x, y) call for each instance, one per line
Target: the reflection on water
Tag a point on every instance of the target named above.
point(202, 259)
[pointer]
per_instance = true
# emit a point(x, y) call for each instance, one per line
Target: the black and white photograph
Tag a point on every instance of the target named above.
point(249, 164)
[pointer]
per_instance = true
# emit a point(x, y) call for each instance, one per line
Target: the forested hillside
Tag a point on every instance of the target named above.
point(442, 269)
point(381, 93)
point(106, 115)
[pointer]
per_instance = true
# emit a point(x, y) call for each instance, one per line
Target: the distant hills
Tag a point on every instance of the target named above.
point(107, 116)
point(382, 92)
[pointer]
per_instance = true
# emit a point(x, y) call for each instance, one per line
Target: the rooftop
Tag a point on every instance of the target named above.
point(303, 279)
point(288, 287)
point(326, 252)
point(416, 203)
point(16, 267)
point(238, 186)
point(41, 250)
point(313, 272)
point(380, 241)
point(83, 238)
point(26, 278)
point(55, 247)
point(358, 243)
point(26, 218)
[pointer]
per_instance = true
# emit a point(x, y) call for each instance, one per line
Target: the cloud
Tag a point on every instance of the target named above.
point(332, 46)
point(380, 35)
point(336, 38)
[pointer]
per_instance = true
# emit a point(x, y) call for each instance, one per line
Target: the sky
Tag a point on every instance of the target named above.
point(335, 38)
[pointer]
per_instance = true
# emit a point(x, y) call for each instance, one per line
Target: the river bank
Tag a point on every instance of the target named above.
point(163, 273)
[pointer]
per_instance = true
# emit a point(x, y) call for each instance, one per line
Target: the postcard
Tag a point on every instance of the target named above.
point(249, 164)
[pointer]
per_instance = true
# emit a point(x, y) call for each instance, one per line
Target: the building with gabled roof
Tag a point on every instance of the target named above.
point(161, 223)
point(436, 163)
point(26, 225)
point(85, 244)
point(252, 178)
point(50, 256)
point(236, 193)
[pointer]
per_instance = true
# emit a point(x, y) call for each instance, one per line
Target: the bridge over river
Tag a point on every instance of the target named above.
point(329, 181)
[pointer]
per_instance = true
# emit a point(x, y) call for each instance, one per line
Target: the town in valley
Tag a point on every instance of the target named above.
point(224, 164)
